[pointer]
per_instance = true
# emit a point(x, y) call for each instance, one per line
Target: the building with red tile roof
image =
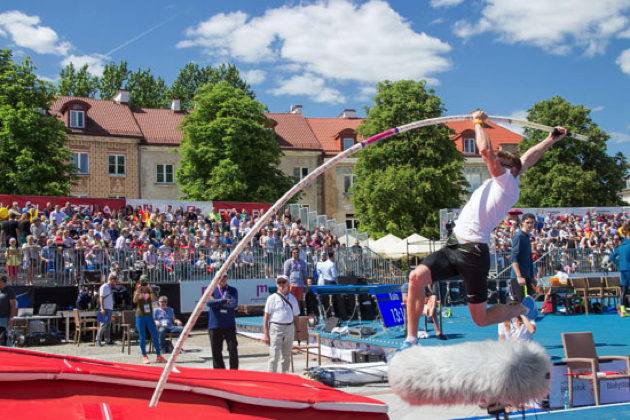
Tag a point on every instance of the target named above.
point(133, 153)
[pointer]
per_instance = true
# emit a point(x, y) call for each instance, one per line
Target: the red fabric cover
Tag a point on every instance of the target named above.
point(245, 393)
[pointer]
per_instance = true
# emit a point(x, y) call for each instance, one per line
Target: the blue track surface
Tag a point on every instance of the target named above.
point(610, 331)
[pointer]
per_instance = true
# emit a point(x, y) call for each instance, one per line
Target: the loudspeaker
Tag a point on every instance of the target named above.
point(92, 276)
point(41, 339)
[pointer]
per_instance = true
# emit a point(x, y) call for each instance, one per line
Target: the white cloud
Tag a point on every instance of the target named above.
point(311, 85)
point(619, 138)
point(96, 62)
point(556, 26)
point(254, 77)
point(26, 32)
point(623, 61)
point(519, 114)
point(366, 93)
point(597, 108)
point(334, 40)
point(445, 3)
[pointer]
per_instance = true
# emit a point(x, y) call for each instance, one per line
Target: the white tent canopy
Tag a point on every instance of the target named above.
point(386, 245)
point(416, 244)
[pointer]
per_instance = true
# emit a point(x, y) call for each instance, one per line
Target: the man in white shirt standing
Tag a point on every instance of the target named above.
point(466, 252)
point(281, 312)
point(106, 301)
point(326, 270)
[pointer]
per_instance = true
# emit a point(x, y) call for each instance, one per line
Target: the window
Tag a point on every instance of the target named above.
point(77, 119)
point(348, 143)
point(348, 181)
point(164, 174)
point(300, 174)
point(351, 222)
point(116, 164)
point(81, 162)
point(469, 146)
point(474, 180)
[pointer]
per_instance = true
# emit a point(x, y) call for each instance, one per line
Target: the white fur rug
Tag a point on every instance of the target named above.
point(483, 372)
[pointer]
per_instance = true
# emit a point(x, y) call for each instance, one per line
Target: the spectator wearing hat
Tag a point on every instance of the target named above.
point(222, 323)
point(143, 298)
point(281, 312)
point(106, 304)
point(326, 270)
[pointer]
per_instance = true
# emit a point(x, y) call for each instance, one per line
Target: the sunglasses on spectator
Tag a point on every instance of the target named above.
point(281, 282)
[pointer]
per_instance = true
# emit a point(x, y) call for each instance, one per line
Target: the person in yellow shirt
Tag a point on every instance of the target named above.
point(14, 258)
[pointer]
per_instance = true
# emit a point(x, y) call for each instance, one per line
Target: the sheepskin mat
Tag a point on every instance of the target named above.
point(481, 372)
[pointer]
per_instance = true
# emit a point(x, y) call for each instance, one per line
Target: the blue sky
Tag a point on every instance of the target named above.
point(500, 55)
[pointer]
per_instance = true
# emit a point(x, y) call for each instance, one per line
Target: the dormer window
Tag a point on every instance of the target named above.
point(348, 142)
point(469, 146)
point(77, 118)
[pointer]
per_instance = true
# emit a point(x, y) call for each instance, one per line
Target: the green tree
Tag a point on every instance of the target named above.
point(572, 173)
point(401, 183)
point(113, 79)
point(34, 158)
point(80, 83)
point(146, 91)
point(228, 153)
point(192, 77)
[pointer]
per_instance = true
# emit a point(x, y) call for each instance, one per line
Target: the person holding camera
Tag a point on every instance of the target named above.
point(143, 298)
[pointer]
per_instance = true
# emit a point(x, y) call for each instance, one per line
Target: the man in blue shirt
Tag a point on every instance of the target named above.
point(621, 257)
point(222, 323)
point(523, 273)
point(165, 321)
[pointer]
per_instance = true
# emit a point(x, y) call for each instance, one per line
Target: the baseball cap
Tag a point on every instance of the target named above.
point(282, 277)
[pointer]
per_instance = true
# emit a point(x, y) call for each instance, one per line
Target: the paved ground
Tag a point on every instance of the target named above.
point(253, 355)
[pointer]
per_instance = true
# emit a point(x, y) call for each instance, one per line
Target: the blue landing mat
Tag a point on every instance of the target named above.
point(610, 331)
point(610, 411)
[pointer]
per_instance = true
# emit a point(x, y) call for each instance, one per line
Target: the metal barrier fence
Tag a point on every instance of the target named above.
point(71, 266)
point(571, 260)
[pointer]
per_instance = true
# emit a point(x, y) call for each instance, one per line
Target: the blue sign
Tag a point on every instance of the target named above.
point(391, 307)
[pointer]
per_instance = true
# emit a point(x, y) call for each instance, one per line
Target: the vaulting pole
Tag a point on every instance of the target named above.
point(287, 196)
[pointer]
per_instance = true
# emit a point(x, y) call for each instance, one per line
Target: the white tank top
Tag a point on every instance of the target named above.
point(486, 207)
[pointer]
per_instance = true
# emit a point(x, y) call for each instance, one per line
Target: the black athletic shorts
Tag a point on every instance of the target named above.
point(469, 260)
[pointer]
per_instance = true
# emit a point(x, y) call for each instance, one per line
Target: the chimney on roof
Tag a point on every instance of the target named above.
point(296, 109)
point(348, 113)
point(176, 105)
point(122, 97)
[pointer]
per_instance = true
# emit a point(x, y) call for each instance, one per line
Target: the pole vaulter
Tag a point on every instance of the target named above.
point(294, 190)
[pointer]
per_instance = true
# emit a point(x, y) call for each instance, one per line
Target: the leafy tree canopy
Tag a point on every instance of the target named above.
point(228, 153)
point(34, 158)
point(73, 83)
point(572, 173)
point(113, 79)
point(146, 91)
point(401, 183)
point(192, 77)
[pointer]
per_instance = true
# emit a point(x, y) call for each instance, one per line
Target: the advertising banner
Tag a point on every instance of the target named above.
point(613, 391)
point(250, 292)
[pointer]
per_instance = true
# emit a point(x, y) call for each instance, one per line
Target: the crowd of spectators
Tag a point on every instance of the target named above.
point(65, 241)
point(578, 241)
point(168, 244)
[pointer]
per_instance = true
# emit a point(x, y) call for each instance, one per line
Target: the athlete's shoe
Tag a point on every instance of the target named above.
point(160, 359)
point(145, 360)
